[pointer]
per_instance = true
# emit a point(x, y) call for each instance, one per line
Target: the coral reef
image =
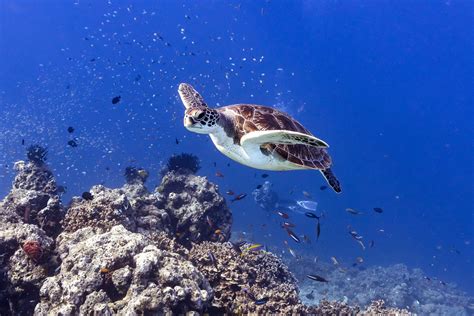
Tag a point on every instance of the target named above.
point(197, 211)
point(121, 272)
point(232, 275)
point(34, 197)
point(397, 285)
point(129, 251)
point(25, 261)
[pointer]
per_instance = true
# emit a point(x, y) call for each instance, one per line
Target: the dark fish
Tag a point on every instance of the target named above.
point(87, 196)
point(219, 174)
point(378, 209)
point(284, 215)
point(249, 294)
point(116, 99)
point(230, 192)
point(177, 141)
point(323, 187)
point(212, 258)
point(215, 164)
point(138, 77)
point(264, 175)
point(92, 59)
point(72, 143)
point(315, 277)
point(61, 189)
point(236, 247)
point(311, 215)
point(293, 235)
point(22, 141)
point(318, 231)
point(261, 301)
point(70, 129)
point(371, 244)
point(239, 197)
point(310, 296)
point(228, 164)
point(259, 187)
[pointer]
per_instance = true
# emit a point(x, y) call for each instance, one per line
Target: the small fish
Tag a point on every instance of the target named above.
point(236, 247)
point(230, 192)
point(288, 225)
point(310, 296)
point(249, 294)
point(259, 186)
point(87, 196)
point(239, 197)
point(218, 232)
point(116, 99)
point(352, 211)
point(261, 301)
point(254, 247)
point(306, 239)
point(215, 164)
point(378, 209)
point(361, 243)
point(209, 221)
point(307, 195)
point(359, 260)
point(70, 129)
point(334, 261)
point(323, 187)
point(292, 252)
point(212, 258)
point(23, 141)
point(315, 277)
point(371, 244)
point(318, 230)
point(61, 189)
point(219, 174)
point(311, 215)
point(72, 143)
point(283, 215)
point(264, 175)
point(293, 235)
point(177, 141)
point(308, 205)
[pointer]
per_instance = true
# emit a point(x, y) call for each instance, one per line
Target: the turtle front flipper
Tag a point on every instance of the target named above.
point(190, 97)
point(331, 179)
point(281, 137)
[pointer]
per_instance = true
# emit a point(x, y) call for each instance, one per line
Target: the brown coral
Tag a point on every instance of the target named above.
point(260, 273)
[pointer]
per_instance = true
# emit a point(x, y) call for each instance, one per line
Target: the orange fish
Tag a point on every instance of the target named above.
point(218, 232)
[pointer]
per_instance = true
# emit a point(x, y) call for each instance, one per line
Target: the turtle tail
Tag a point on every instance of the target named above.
point(331, 179)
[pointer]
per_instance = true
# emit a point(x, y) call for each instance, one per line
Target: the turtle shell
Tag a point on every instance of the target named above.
point(249, 118)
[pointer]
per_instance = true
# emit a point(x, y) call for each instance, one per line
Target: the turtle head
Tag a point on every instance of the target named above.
point(200, 119)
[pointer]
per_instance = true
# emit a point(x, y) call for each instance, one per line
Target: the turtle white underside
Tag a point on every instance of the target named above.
point(250, 154)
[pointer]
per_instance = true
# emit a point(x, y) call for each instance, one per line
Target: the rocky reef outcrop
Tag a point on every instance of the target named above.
point(197, 211)
point(34, 197)
point(120, 272)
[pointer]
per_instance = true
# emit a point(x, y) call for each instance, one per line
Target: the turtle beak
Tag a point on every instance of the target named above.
point(188, 121)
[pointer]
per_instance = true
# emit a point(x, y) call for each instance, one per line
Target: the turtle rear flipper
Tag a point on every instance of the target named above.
point(331, 179)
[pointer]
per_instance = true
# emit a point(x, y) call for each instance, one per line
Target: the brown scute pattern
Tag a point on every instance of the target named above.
point(250, 118)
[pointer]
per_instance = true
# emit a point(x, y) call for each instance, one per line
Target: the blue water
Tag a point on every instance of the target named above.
point(388, 84)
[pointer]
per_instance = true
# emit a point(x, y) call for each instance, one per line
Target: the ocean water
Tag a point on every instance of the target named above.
point(387, 84)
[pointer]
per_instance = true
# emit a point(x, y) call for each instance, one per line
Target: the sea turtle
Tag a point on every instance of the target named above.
point(257, 136)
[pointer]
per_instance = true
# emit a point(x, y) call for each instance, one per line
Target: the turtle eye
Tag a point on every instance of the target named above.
point(200, 115)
